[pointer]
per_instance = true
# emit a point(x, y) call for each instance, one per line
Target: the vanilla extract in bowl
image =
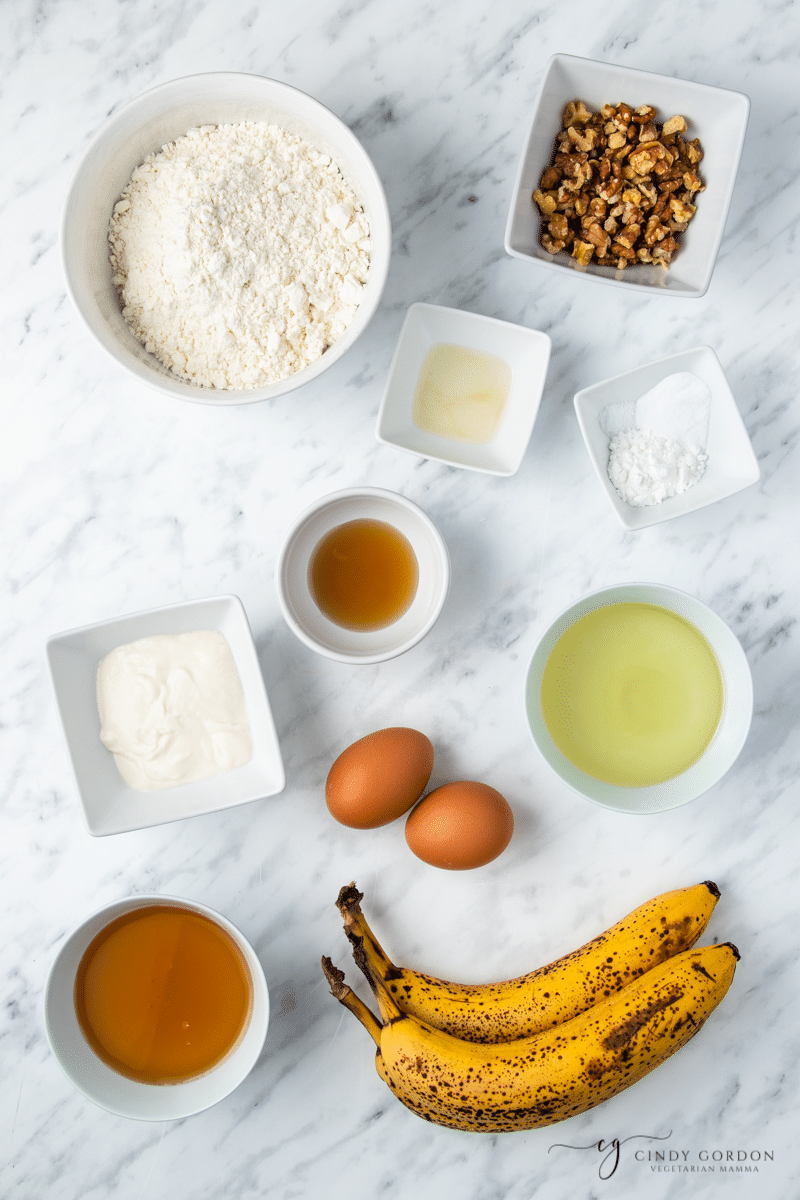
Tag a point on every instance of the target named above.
point(363, 574)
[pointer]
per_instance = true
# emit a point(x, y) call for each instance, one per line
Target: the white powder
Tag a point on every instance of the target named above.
point(657, 443)
point(646, 469)
point(239, 254)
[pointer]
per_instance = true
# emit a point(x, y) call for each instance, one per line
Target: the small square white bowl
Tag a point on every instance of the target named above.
point(108, 804)
point(715, 115)
point(527, 352)
point(732, 464)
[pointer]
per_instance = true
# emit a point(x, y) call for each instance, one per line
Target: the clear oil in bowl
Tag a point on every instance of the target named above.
point(632, 694)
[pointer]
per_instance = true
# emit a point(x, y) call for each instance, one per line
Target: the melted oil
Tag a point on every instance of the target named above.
point(163, 994)
point(363, 574)
point(461, 393)
point(632, 694)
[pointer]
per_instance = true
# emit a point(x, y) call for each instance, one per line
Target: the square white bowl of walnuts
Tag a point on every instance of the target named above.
point(627, 176)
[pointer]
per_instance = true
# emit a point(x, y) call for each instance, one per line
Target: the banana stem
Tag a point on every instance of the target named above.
point(371, 959)
point(346, 996)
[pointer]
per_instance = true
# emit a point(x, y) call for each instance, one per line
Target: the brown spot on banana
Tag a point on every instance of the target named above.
point(622, 1035)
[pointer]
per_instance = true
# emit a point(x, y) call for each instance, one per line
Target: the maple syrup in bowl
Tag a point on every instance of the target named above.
point(362, 575)
point(156, 1008)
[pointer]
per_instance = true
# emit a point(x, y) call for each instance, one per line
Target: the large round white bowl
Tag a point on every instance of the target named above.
point(724, 747)
point(146, 124)
point(106, 1087)
point(299, 607)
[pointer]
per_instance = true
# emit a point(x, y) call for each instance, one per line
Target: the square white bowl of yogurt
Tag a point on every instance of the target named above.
point(676, 421)
point(464, 389)
point(183, 699)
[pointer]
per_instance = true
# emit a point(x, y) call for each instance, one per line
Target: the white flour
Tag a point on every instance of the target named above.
point(658, 441)
point(239, 254)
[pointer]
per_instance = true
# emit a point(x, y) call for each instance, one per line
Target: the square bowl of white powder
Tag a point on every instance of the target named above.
point(671, 436)
point(176, 686)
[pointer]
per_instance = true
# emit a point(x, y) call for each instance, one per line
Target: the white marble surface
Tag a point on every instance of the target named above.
point(115, 499)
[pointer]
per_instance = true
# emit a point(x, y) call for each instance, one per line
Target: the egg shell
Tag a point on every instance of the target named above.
point(460, 826)
point(379, 777)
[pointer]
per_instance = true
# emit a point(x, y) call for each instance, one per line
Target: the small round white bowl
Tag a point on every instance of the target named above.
point(142, 127)
point(724, 748)
point(106, 1087)
point(299, 608)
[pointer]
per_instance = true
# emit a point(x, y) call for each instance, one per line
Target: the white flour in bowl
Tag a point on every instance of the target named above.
point(239, 253)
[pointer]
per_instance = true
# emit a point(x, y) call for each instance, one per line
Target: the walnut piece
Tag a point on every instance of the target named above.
point(620, 188)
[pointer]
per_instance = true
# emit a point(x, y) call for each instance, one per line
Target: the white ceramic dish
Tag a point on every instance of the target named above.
point(527, 351)
point(732, 464)
point(104, 1086)
point(299, 608)
point(727, 741)
point(108, 804)
point(717, 116)
point(143, 126)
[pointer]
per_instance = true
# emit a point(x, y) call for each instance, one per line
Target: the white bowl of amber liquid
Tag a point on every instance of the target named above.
point(156, 1007)
point(362, 575)
point(639, 697)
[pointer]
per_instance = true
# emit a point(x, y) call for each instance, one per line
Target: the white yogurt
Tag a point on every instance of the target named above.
point(172, 709)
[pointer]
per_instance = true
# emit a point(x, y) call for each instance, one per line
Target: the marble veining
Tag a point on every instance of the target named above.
point(115, 499)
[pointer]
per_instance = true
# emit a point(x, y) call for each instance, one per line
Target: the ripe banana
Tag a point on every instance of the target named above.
point(536, 1081)
point(549, 996)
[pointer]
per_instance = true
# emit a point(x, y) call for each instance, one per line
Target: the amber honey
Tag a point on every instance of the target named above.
point(163, 994)
point(363, 574)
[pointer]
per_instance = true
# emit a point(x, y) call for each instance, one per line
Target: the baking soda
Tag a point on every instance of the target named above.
point(657, 443)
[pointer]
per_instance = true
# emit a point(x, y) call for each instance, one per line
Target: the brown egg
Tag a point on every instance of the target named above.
point(379, 777)
point(460, 826)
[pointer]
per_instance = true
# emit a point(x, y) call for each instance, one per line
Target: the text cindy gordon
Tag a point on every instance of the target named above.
point(705, 1160)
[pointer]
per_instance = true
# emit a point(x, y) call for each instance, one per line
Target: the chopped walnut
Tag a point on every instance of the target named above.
point(546, 201)
point(674, 125)
point(576, 113)
point(551, 246)
point(620, 188)
point(582, 251)
point(598, 238)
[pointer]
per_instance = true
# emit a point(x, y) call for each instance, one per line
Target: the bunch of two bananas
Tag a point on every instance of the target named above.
point(544, 1047)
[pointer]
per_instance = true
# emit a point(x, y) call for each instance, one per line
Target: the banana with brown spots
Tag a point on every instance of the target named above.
point(501, 1012)
point(554, 1075)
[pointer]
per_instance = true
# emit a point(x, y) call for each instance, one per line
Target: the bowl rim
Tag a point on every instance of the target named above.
point(260, 997)
point(287, 546)
point(737, 728)
point(553, 264)
point(181, 389)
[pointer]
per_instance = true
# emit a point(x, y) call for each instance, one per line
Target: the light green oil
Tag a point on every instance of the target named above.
point(632, 694)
